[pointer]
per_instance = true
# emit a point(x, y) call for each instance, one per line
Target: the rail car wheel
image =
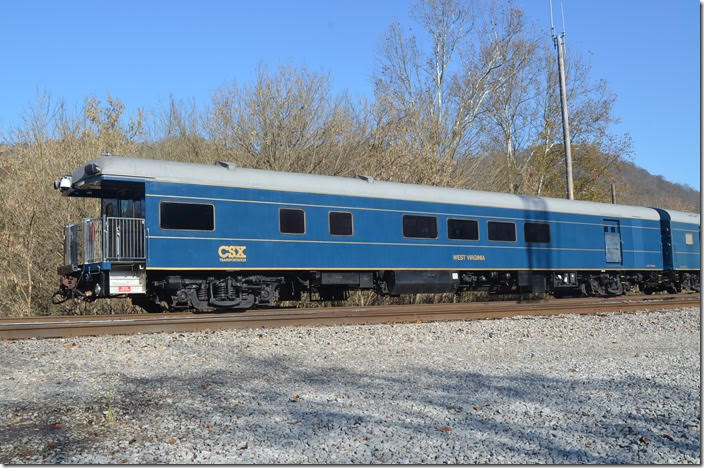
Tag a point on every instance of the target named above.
point(595, 287)
point(603, 286)
point(689, 283)
point(614, 286)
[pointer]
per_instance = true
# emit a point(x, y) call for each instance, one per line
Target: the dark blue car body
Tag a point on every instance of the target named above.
point(189, 234)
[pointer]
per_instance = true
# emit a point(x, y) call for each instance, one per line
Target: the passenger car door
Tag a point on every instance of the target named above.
point(612, 241)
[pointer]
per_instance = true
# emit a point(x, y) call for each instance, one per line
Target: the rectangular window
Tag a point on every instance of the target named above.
point(466, 229)
point(689, 238)
point(187, 216)
point(340, 223)
point(126, 210)
point(139, 208)
point(425, 227)
point(537, 232)
point(110, 207)
point(292, 221)
point(500, 231)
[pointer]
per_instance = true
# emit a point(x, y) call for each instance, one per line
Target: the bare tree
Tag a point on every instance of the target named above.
point(475, 51)
point(175, 131)
point(48, 143)
point(286, 121)
point(591, 117)
point(478, 87)
point(510, 108)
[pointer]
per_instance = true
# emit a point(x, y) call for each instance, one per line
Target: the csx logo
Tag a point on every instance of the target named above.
point(232, 253)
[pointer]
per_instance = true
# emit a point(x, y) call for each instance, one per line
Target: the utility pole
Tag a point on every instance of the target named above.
point(558, 41)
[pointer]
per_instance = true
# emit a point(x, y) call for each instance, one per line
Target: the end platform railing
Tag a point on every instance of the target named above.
point(113, 239)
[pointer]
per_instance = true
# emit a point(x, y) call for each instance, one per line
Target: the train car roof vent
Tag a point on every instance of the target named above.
point(227, 165)
point(365, 178)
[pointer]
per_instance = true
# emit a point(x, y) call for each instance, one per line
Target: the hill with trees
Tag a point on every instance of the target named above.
point(473, 103)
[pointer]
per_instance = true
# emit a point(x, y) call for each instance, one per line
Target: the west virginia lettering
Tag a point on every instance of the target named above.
point(464, 257)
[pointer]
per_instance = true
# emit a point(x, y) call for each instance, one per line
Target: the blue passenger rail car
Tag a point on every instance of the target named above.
point(685, 248)
point(180, 235)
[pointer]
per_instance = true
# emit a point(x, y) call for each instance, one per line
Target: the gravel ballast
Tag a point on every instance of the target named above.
point(614, 388)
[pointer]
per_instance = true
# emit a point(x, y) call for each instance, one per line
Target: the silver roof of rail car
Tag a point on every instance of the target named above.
point(226, 174)
point(683, 217)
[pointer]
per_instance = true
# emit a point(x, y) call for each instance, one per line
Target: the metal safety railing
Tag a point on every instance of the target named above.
point(112, 239)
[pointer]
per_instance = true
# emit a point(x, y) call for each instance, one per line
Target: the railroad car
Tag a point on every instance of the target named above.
point(175, 235)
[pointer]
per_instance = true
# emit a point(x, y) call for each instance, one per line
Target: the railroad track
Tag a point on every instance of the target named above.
point(70, 326)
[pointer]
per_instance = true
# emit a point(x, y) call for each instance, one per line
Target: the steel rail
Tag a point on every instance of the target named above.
point(71, 326)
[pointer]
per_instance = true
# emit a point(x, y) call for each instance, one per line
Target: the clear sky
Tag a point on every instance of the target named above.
point(143, 51)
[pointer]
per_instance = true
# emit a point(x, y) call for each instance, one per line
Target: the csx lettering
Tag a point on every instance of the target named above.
point(232, 253)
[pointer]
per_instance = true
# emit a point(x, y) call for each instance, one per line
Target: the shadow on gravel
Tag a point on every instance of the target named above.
point(277, 404)
point(621, 412)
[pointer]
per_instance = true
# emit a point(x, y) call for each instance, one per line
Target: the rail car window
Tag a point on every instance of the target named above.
point(139, 208)
point(292, 221)
point(537, 232)
point(110, 206)
point(689, 238)
point(125, 208)
point(187, 216)
point(425, 227)
point(466, 229)
point(500, 231)
point(340, 223)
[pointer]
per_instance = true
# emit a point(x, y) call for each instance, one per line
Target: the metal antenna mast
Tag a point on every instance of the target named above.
point(558, 41)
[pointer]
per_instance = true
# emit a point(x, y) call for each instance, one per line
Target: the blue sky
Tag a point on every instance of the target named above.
point(143, 51)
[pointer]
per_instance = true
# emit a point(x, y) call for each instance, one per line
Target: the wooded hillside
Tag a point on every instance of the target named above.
point(473, 104)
